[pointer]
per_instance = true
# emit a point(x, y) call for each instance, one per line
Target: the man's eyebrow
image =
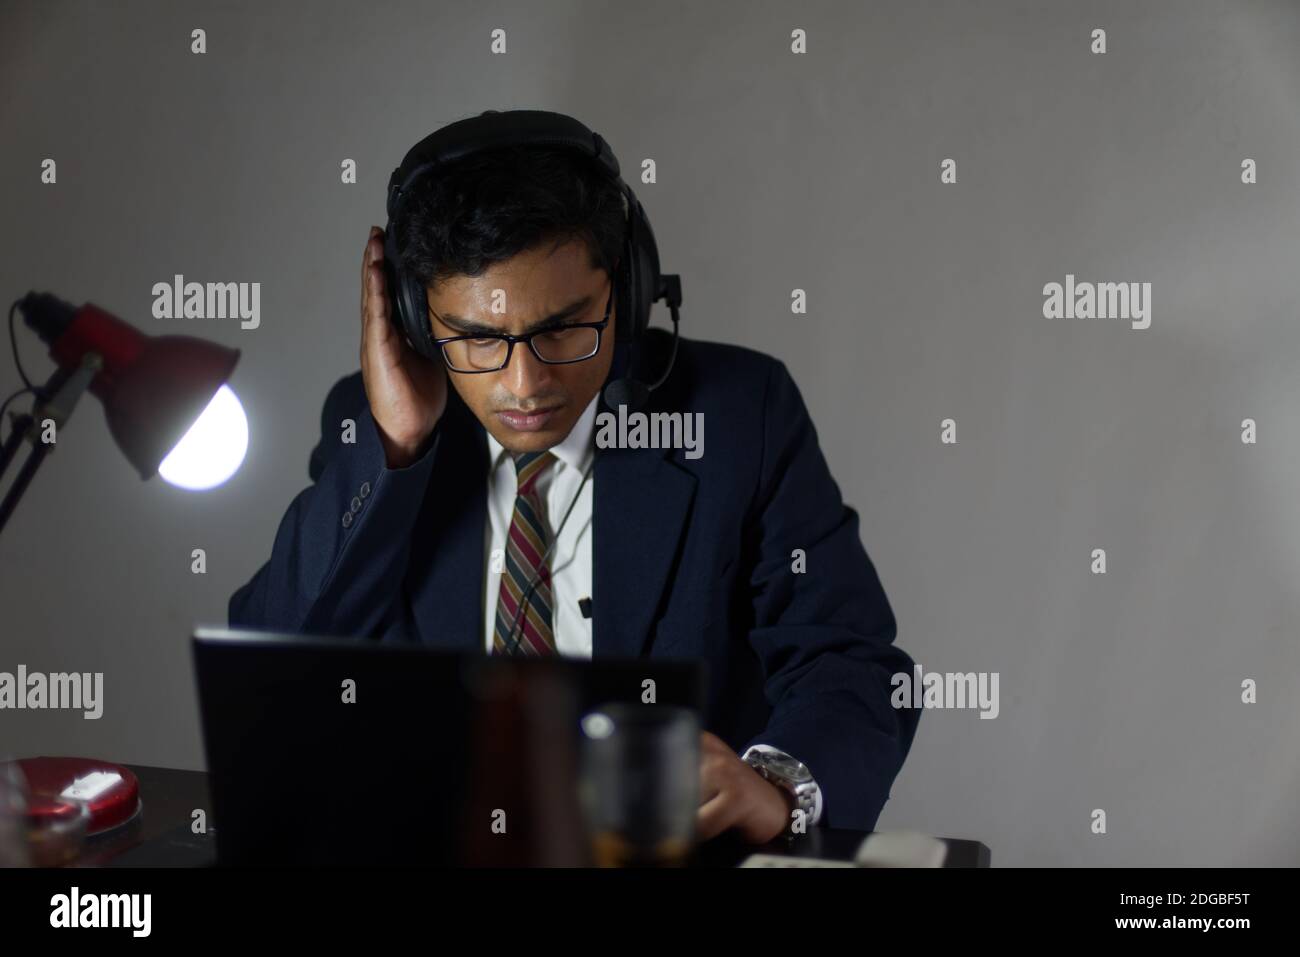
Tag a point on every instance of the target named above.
point(471, 327)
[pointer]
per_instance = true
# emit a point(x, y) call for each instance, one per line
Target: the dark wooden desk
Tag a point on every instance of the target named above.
point(171, 795)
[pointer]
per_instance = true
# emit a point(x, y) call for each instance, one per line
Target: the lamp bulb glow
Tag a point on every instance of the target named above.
point(213, 448)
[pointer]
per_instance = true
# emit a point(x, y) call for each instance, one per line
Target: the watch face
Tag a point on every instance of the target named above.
point(787, 767)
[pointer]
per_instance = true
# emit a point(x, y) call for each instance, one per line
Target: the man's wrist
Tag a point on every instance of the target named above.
point(401, 455)
point(790, 776)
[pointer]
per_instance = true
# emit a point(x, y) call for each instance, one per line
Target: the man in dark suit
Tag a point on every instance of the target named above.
point(417, 528)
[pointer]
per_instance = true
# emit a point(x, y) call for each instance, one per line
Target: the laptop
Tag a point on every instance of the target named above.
point(326, 750)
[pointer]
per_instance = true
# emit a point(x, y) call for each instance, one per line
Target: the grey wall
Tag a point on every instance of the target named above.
point(775, 171)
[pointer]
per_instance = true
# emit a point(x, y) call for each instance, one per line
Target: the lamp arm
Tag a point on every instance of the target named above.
point(67, 390)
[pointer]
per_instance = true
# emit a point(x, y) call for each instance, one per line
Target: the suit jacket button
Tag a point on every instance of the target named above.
point(356, 505)
point(347, 519)
point(365, 489)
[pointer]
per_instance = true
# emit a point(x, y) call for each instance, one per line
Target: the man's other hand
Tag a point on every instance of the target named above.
point(735, 796)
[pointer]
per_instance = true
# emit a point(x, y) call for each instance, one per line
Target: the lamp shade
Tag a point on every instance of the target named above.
point(153, 387)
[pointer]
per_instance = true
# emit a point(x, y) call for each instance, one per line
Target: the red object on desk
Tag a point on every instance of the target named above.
point(110, 791)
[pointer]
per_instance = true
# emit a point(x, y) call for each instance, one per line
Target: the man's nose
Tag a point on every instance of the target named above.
point(526, 375)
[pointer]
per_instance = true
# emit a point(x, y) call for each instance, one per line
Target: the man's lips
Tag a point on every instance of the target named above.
point(533, 421)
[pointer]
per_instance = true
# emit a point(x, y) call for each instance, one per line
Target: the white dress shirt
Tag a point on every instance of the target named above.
point(570, 561)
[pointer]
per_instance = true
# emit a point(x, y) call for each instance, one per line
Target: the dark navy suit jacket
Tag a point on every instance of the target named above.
point(690, 558)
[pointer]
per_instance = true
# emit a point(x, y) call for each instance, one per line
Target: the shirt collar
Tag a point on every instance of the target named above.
point(576, 449)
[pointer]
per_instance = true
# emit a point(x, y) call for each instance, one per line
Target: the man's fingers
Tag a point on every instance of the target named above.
point(374, 253)
point(376, 329)
point(714, 816)
point(711, 797)
point(711, 742)
point(367, 256)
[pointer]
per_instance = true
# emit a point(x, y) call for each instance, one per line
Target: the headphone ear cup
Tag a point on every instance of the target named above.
point(415, 317)
point(407, 308)
point(645, 263)
point(625, 280)
point(647, 281)
point(625, 312)
point(393, 280)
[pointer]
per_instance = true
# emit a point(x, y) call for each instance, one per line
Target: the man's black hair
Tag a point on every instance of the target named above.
point(491, 206)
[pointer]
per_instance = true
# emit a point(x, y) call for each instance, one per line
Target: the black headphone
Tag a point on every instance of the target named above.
point(637, 277)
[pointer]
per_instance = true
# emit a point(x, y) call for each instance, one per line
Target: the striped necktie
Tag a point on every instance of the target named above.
point(529, 537)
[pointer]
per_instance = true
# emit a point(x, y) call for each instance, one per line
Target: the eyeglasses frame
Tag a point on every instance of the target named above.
point(527, 337)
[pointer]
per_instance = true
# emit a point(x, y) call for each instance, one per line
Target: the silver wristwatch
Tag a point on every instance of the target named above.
point(790, 775)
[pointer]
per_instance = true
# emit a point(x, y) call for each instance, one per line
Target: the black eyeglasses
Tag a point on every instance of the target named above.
point(557, 345)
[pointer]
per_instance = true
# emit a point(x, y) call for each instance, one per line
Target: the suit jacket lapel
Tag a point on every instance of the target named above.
point(641, 503)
